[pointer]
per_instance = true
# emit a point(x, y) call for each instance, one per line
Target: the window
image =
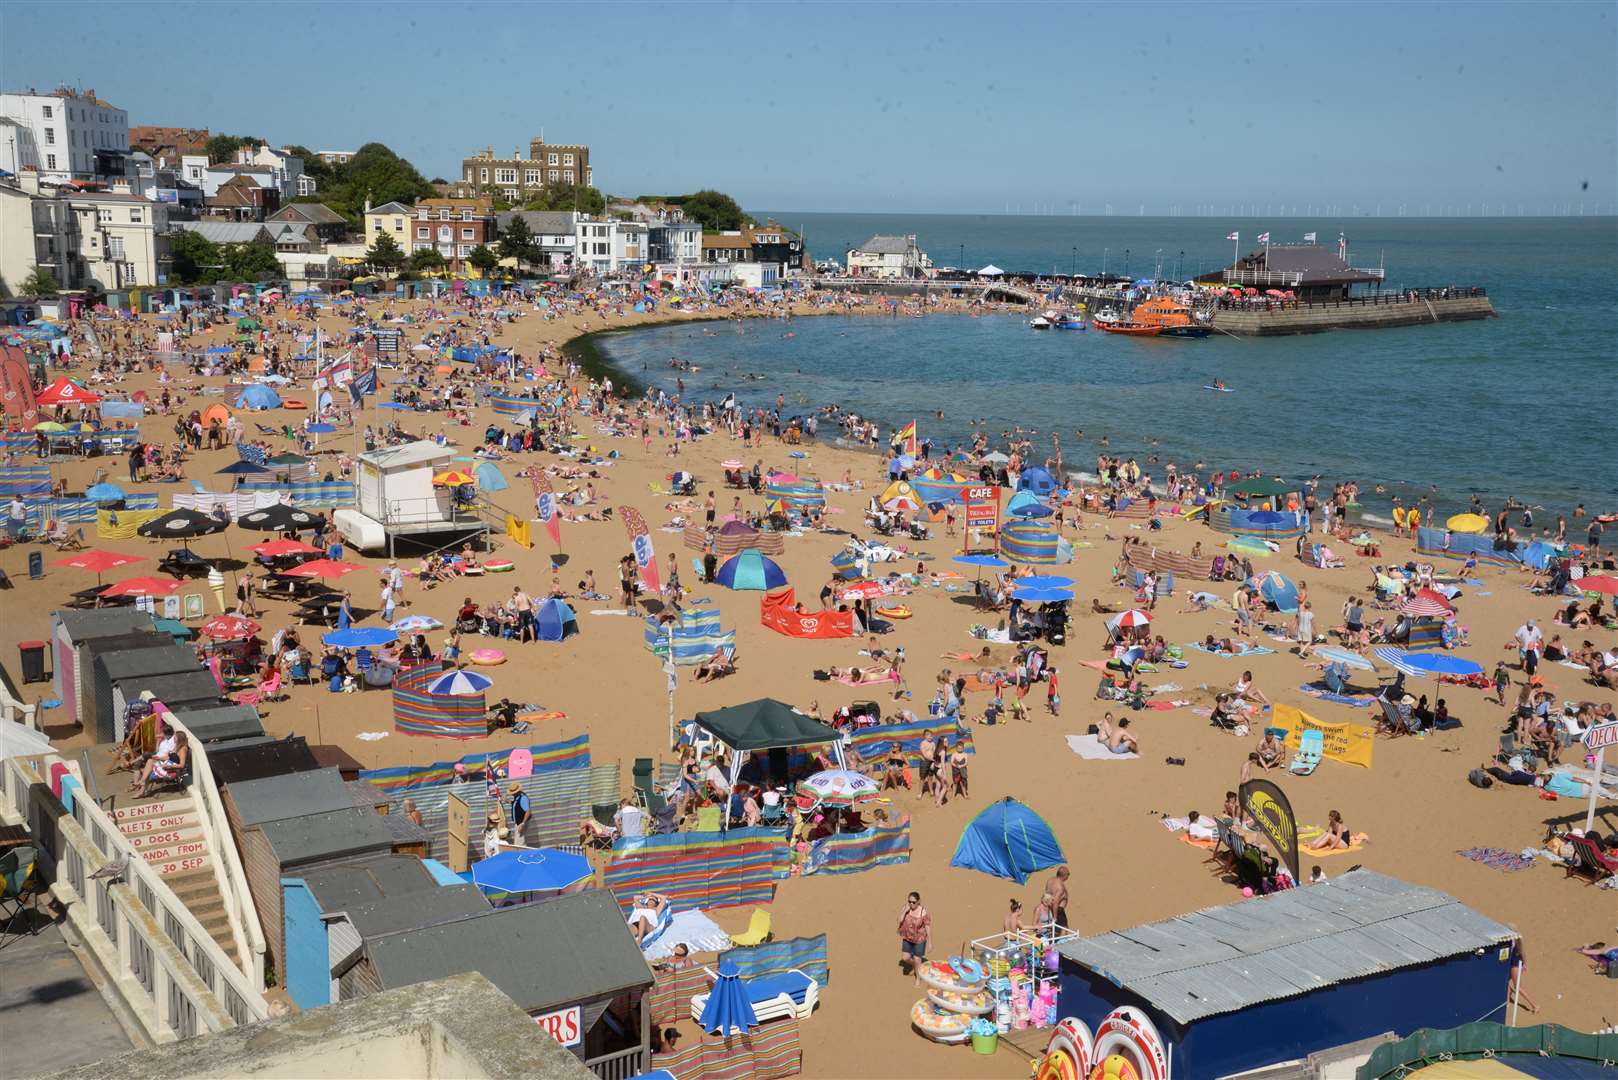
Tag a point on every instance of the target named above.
point(115, 247)
point(531, 177)
point(467, 234)
point(483, 175)
point(567, 175)
point(505, 176)
point(443, 215)
point(50, 136)
point(398, 224)
point(555, 175)
point(469, 174)
point(445, 233)
point(422, 213)
point(104, 216)
point(73, 137)
point(423, 233)
point(135, 215)
point(567, 159)
point(466, 215)
point(128, 273)
point(50, 161)
point(464, 250)
point(554, 159)
point(47, 112)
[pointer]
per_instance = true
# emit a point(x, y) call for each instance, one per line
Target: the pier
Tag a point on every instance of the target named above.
point(1409, 307)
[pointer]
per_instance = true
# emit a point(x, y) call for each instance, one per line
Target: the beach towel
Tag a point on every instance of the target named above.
point(698, 932)
point(1507, 862)
point(1089, 747)
point(1357, 700)
point(1309, 833)
point(1250, 650)
point(540, 717)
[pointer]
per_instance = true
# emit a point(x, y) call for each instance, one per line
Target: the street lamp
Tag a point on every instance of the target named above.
point(1158, 258)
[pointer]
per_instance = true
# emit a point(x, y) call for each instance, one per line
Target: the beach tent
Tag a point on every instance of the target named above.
point(899, 496)
point(1034, 542)
point(1007, 840)
point(990, 270)
point(1025, 504)
point(489, 478)
point(217, 411)
point(554, 620)
point(1278, 591)
point(65, 391)
point(1038, 480)
point(750, 570)
point(258, 396)
point(935, 486)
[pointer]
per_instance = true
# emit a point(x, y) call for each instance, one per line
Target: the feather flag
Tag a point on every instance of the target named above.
point(640, 539)
point(906, 437)
point(545, 505)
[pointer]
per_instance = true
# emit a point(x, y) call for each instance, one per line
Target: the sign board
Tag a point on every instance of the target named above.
point(982, 519)
point(460, 821)
point(1600, 736)
point(566, 1026)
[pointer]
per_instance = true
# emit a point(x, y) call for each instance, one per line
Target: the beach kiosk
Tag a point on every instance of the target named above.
point(396, 496)
point(1274, 979)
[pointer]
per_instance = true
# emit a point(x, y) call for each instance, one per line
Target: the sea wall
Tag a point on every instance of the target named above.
point(1314, 318)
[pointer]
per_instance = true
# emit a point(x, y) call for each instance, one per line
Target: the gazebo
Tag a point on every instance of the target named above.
point(766, 724)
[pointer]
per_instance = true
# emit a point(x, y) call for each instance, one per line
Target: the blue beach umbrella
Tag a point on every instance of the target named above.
point(1045, 581)
point(320, 429)
point(104, 493)
point(415, 624)
point(536, 870)
point(750, 570)
point(728, 1009)
point(392, 405)
point(359, 636)
point(1431, 665)
point(218, 349)
point(797, 454)
point(1344, 657)
point(242, 467)
point(1033, 595)
point(460, 684)
point(990, 561)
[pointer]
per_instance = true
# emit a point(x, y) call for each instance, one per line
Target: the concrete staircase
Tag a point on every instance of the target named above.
point(168, 836)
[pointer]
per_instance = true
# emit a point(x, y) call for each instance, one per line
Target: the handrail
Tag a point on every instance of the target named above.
point(153, 953)
point(245, 928)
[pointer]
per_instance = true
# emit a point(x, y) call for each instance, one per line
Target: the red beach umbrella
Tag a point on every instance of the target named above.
point(1427, 604)
point(865, 590)
point(228, 628)
point(143, 586)
point(1608, 585)
point(324, 568)
point(98, 560)
point(278, 549)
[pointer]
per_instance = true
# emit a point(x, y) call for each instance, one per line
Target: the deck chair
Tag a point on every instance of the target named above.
point(1589, 861)
point(1222, 841)
point(18, 887)
point(758, 929)
point(792, 993)
point(1397, 717)
point(1311, 746)
point(269, 690)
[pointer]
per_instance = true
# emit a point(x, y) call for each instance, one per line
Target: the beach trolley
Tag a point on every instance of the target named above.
point(1271, 980)
point(112, 667)
point(69, 631)
point(396, 497)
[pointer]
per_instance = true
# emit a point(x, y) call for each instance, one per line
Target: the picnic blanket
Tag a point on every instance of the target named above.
point(1089, 747)
point(698, 932)
point(1507, 862)
point(1250, 650)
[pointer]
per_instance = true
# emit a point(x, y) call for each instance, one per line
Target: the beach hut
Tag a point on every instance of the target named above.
point(71, 632)
point(1034, 542)
point(750, 570)
point(111, 667)
point(554, 620)
point(1277, 978)
point(1007, 840)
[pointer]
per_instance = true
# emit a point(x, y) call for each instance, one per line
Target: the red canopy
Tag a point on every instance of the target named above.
point(324, 568)
point(65, 391)
point(276, 549)
point(98, 561)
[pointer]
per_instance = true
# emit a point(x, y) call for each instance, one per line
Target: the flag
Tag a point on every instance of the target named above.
point(907, 437)
point(1308, 237)
point(640, 539)
point(545, 505)
point(364, 384)
point(339, 371)
point(1234, 236)
point(1264, 238)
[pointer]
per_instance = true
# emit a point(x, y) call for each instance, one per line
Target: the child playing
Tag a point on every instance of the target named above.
point(1502, 682)
point(1053, 698)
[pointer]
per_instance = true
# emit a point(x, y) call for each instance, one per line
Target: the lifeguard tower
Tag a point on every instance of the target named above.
point(397, 498)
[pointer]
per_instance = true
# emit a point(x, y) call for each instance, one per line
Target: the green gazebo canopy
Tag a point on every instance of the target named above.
point(765, 724)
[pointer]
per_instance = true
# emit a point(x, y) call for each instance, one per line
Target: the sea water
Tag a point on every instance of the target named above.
point(1522, 405)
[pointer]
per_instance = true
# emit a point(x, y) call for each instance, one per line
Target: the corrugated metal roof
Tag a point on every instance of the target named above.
point(1291, 943)
point(887, 245)
point(277, 797)
point(314, 837)
point(227, 232)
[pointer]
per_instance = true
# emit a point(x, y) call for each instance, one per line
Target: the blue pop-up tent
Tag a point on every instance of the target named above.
point(554, 620)
point(1008, 840)
point(258, 396)
point(1037, 480)
point(1025, 504)
point(1278, 590)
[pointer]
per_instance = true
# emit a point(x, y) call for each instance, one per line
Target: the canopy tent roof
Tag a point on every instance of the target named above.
point(765, 724)
point(990, 270)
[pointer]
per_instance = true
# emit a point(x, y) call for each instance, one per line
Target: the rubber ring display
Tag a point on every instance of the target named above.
point(1128, 1033)
point(1069, 1052)
point(970, 969)
point(1113, 1067)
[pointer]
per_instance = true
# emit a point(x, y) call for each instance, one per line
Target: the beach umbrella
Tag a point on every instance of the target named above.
point(242, 467)
point(1130, 618)
point(460, 684)
point(728, 1009)
point(1261, 486)
point(320, 429)
point(1344, 657)
point(750, 569)
point(278, 518)
point(324, 568)
point(1603, 584)
point(731, 464)
point(840, 787)
point(415, 624)
point(1432, 665)
point(531, 870)
point(99, 561)
point(1426, 604)
point(392, 405)
point(49, 426)
point(281, 549)
point(1467, 523)
point(980, 561)
point(182, 524)
point(1248, 545)
point(1045, 581)
point(229, 628)
point(356, 637)
point(218, 349)
point(288, 458)
point(454, 478)
point(143, 586)
point(104, 493)
point(1033, 594)
point(995, 458)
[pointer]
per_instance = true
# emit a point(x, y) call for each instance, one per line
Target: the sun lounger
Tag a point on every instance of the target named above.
point(1311, 746)
point(791, 993)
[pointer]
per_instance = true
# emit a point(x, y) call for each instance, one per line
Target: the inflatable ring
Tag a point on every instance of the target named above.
point(937, 1024)
point(900, 612)
point(969, 969)
point(1069, 1052)
point(499, 566)
point(1127, 1033)
point(977, 1004)
point(487, 657)
point(292, 403)
point(1114, 1067)
point(934, 975)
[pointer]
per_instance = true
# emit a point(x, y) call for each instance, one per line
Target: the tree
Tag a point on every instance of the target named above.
point(41, 283)
point(425, 259)
point(713, 210)
point(483, 260)
point(517, 243)
point(385, 254)
point(580, 197)
point(377, 173)
point(196, 259)
point(223, 147)
point(249, 262)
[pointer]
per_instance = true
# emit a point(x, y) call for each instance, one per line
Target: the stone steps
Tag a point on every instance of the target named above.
point(168, 835)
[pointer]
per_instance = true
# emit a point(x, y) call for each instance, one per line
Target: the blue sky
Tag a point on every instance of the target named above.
point(920, 107)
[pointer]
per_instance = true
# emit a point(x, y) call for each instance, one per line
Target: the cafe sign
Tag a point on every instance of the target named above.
point(566, 1026)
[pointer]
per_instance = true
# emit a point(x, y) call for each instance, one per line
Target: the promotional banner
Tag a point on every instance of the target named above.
point(1269, 809)
point(17, 387)
point(779, 611)
point(640, 538)
point(1346, 742)
point(982, 518)
point(545, 504)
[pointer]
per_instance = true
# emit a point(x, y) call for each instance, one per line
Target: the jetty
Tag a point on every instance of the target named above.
point(1408, 307)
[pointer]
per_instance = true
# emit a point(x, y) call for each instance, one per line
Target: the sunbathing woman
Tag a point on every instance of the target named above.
point(1336, 837)
point(644, 917)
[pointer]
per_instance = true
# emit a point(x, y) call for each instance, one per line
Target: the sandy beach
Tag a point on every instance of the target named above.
point(1414, 804)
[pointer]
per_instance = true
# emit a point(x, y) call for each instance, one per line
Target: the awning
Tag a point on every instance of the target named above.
point(765, 724)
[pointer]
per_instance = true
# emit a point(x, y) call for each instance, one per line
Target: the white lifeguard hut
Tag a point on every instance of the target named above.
point(396, 497)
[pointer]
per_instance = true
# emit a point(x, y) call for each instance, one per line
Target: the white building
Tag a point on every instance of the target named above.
point(889, 257)
point(606, 247)
point(676, 243)
point(87, 240)
point(286, 170)
point(65, 135)
point(555, 232)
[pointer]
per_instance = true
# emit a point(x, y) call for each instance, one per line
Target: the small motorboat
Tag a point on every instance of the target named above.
point(1133, 329)
point(1043, 322)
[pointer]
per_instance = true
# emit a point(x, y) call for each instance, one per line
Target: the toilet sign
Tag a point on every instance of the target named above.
point(566, 1026)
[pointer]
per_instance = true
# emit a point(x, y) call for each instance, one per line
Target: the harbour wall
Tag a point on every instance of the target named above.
point(1354, 314)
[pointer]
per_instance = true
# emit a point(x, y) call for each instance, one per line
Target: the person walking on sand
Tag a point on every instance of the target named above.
point(1053, 696)
point(915, 932)
point(1056, 891)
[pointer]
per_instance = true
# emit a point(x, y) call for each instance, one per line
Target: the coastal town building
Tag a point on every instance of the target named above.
point(335, 157)
point(392, 219)
point(889, 257)
point(677, 243)
point(325, 223)
point(85, 239)
point(64, 135)
point(548, 165)
point(452, 227)
point(286, 169)
point(244, 196)
point(608, 246)
point(555, 233)
point(169, 143)
point(652, 213)
point(1309, 271)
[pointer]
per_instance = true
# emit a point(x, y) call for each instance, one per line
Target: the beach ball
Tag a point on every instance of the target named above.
point(1247, 891)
